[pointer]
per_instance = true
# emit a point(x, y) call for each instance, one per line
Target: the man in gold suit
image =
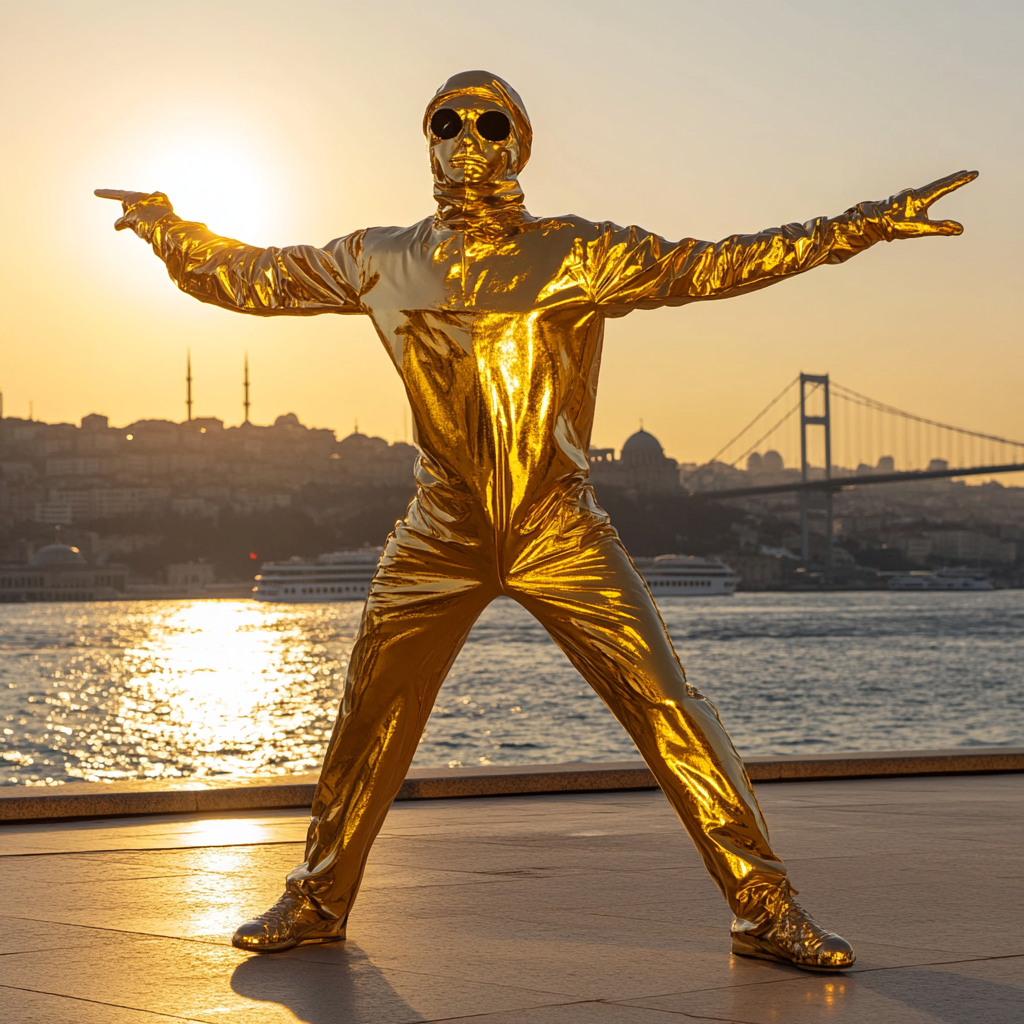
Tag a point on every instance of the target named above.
point(494, 320)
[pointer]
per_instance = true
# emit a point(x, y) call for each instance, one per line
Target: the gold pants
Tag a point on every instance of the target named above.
point(575, 577)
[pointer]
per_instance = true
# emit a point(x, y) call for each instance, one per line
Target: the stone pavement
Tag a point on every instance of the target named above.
point(574, 908)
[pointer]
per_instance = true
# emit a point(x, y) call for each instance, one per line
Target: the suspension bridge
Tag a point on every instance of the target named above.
point(861, 441)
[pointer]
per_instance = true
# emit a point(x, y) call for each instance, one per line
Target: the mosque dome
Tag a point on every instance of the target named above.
point(58, 554)
point(642, 447)
point(362, 444)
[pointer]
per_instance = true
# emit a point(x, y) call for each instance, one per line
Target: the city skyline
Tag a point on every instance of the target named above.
point(157, 493)
point(894, 437)
point(779, 448)
point(659, 138)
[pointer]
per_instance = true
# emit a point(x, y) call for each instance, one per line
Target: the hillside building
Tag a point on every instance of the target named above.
point(642, 466)
point(60, 572)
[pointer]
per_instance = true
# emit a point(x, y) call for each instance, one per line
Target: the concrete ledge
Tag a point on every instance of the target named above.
point(880, 763)
point(125, 799)
point(96, 800)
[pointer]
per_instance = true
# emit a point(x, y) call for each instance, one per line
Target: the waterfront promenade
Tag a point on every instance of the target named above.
point(572, 907)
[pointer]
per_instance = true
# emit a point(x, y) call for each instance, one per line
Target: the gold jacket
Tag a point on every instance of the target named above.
point(495, 319)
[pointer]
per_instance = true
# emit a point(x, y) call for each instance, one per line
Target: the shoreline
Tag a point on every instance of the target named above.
point(243, 592)
point(24, 804)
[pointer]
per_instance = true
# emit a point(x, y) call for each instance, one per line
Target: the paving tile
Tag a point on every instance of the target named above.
point(663, 896)
point(358, 991)
point(21, 1007)
point(636, 811)
point(975, 992)
point(159, 832)
point(584, 1012)
point(177, 906)
point(942, 902)
point(20, 875)
point(210, 905)
point(574, 907)
point(21, 936)
point(226, 860)
point(980, 992)
point(217, 983)
point(578, 956)
point(552, 853)
point(823, 833)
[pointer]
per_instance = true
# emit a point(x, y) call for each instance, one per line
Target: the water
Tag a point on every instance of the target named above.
point(169, 689)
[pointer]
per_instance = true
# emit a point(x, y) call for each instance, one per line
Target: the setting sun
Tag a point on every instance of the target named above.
point(222, 182)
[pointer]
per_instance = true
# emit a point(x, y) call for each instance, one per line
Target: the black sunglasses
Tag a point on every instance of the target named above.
point(492, 125)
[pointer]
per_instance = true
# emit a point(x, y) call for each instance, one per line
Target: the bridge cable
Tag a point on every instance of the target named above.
point(892, 410)
point(764, 411)
point(753, 447)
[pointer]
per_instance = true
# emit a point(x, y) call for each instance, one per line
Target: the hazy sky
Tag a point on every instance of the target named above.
point(282, 123)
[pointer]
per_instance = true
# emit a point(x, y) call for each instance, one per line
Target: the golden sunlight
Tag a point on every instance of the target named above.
point(215, 687)
point(218, 181)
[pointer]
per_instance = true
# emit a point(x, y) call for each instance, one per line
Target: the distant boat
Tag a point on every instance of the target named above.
point(943, 579)
point(338, 576)
point(687, 576)
point(346, 576)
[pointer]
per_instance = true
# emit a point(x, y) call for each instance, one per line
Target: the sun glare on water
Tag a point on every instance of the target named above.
point(190, 689)
point(219, 680)
point(208, 673)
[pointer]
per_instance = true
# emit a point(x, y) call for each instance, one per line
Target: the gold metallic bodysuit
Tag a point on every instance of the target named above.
point(494, 319)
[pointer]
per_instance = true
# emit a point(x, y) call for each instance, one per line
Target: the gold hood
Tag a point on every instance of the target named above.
point(460, 204)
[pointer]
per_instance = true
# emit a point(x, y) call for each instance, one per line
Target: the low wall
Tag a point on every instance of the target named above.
point(99, 800)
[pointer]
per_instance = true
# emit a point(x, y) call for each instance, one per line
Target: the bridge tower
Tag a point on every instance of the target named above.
point(824, 421)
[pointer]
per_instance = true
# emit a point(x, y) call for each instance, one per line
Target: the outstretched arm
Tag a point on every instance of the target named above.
point(640, 270)
point(300, 279)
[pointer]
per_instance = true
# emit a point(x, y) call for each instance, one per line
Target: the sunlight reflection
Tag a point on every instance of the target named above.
point(189, 690)
point(226, 832)
point(208, 687)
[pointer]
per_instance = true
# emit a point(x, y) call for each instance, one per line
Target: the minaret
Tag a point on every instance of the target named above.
point(246, 403)
point(188, 383)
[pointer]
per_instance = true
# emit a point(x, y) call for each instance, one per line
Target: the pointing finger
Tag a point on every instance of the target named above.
point(122, 195)
point(947, 227)
point(937, 189)
point(922, 228)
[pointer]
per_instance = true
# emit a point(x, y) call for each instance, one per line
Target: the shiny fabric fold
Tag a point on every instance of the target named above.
point(494, 320)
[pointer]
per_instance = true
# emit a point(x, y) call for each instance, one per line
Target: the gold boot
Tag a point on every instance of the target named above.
point(292, 920)
point(788, 933)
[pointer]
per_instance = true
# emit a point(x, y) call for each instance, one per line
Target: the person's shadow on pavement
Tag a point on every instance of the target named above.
point(950, 996)
point(323, 985)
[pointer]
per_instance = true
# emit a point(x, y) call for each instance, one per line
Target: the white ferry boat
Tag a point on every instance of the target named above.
point(687, 576)
point(339, 576)
point(346, 576)
point(943, 579)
